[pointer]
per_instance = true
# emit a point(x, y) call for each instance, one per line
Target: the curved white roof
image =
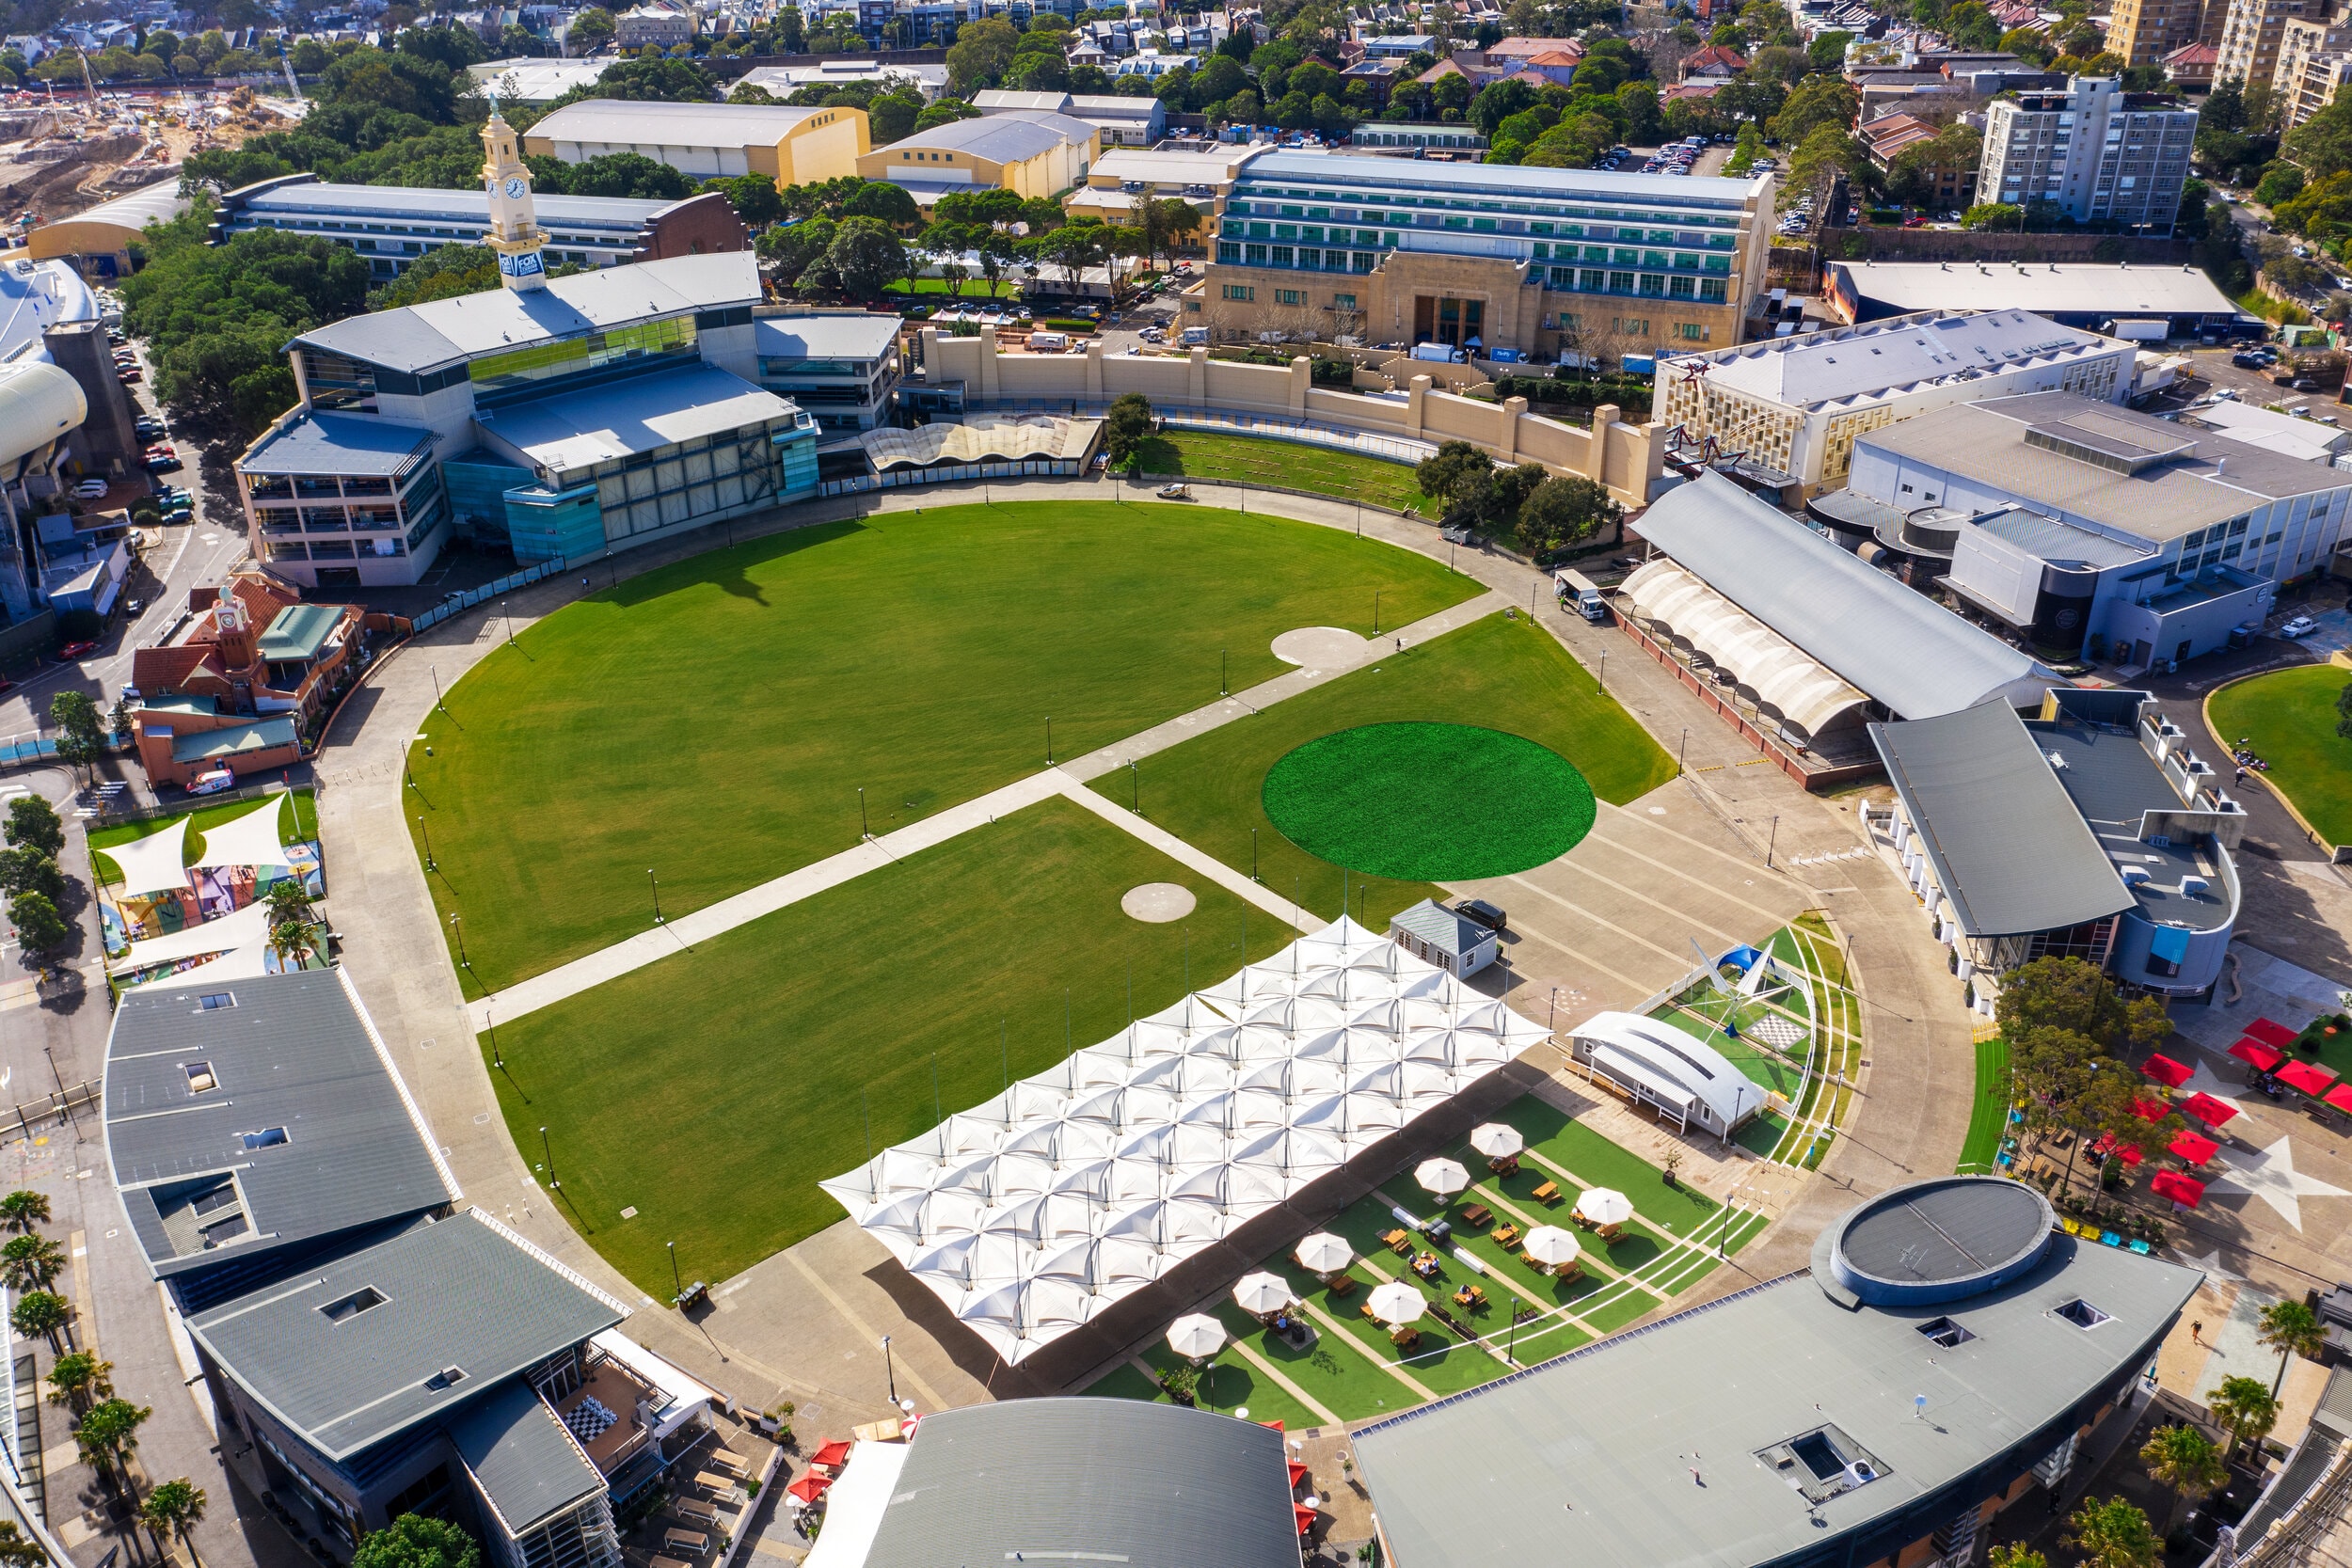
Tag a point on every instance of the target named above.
point(1808, 695)
point(1684, 1059)
point(36, 295)
point(39, 404)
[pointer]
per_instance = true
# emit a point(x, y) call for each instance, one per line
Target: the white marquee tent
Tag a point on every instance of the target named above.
point(1036, 1211)
point(155, 863)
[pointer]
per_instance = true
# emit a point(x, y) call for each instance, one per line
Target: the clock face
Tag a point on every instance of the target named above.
point(515, 185)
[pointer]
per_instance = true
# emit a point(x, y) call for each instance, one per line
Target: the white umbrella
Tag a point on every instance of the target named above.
point(1496, 1141)
point(1553, 1247)
point(1261, 1293)
point(1323, 1253)
point(1604, 1206)
point(1442, 1176)
point(1196, 1336)
point(1397, 1302)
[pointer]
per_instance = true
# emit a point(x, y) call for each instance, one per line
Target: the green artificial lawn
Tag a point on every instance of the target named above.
point(1988, 1117)
point(1507, 675)
point(715, 720)
point(711, 1092)
point(1423, 803)
point(296, 825)
point(2290, 717)
point(1286, 465)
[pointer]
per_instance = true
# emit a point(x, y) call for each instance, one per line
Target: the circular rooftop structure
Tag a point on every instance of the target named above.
point(1940, 1240)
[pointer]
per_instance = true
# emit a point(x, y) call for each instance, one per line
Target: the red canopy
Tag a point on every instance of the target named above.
point(2340, 1097)
point(2196, 1150)
point(1276, 1425)
point(2205, 1108)
point(2165, 1070)
point(1305, 1515)
point(1298, 1473)
point(832, 1455)
point(2151, 1110)
point(2108, 1146)
point(2256, 1054)
point(2179, 1188)
point(2271, 1032)
point(2308, 1076)
point(810, 1487)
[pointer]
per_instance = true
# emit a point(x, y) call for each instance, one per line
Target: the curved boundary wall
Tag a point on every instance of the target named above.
point(1625, 458)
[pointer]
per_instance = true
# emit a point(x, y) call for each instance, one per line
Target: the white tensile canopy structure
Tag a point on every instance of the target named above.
point(248, 840)
point(1031, 1214)
point(155, 863)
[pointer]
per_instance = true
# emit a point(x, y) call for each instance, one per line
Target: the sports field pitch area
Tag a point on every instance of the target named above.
point(1290, 464)
point(714, 721)
point(713, 1090)
point(1505, 674)
point(2290, 717)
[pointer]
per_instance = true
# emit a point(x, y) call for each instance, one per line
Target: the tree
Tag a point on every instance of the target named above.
point(108, 1436)
point(2245, 1408)
point(592, 29)
point(17, 1552)
point(24, 1209)
point(863, 257)
point(2344, 711)
point(287, 900)
point(2288, 1327)
point(2183, 1459)
point(44, 1314)
point(445, 271)
point(79, 1378)
point(81, 731)
point(413, 1541)
point(979, 56)
point(1127, 426)
point(884, 202)
point(39, 925)
point(945, 111)
point(172, 1511)
point(1168, 222)
point(2112, 1533)
point(2072, 994)
point(30, 1262)
point(34, 824)
point(1816, 102)
point(2017, 1555)
point(752, 197)
point(1453, 476)
point(1564, 510)
point(30, 871)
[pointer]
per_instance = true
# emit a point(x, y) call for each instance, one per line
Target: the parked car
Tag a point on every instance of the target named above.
point(90, 489)
point(212, 783)
point(2302, 625)
point(77, 650)
point(1479, 912)
point(132, 607)
point(150, 428)
point(164, 465)
point(129, 373)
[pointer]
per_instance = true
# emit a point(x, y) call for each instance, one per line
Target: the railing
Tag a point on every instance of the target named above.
point(64, 1102)
point(472, 597)
point(109, 815)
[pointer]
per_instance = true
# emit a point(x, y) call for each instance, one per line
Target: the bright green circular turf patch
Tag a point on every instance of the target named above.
point(1429, 802)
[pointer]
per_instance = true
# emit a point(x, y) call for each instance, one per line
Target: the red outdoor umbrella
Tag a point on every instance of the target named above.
point(1298, 1473)
point(2340, 1097)
point(2106, 1145)
point(1305, 1515)
point(810, 1487)
point(2179, 1188)
point(2205, 1108)
point(2271, 1032)
point(2308, 1076)
point(832, 1455)
point(2256, 1054)
point(2151, 1110)
point(2196, 1150)
point(2165, 1070)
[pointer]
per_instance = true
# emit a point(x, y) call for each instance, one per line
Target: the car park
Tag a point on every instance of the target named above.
point(2302, 625)
point(164, 465)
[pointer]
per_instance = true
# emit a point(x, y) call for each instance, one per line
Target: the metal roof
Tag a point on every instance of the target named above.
point(263, 735)
point(2007, 846)
point(327, 443)
point(593, 425)
point(419, 338)
point(157, 203)
point(857, 336)
point(522, 1456)
point(1000, 99)
point(1902, 648)
point(469, 206)
point(1006, 136)
point(1520, 180)
point(2113, 782)
point(1102, 1481)
point(2075, 288)
point(1648, 1447)
point(300, 630)
point(462, 1296)
point(651, 121)
point(1880, 359)
point(2057, 541)
point(291, 1050)
point(1441, 928)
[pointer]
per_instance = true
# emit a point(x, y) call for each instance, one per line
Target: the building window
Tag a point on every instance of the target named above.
point(1240, 290)
point(1690, 332)
point(1632, 327)
point(1342, 302)
point(1253, 255)
point(1228, 253)
point(1289, 296)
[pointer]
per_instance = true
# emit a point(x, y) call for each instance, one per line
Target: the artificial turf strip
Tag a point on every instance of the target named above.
point(2289, 716)
point(300, 823)
point(1988, 1116)
point(1507, 674)
point(1425, 802)
point(711, 1092)
point(715, 720)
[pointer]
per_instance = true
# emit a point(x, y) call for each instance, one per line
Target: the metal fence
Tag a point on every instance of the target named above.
point(473, 597)
point(899, 478)
point(1395, 448)
point(109, 815)
point(64, 1102)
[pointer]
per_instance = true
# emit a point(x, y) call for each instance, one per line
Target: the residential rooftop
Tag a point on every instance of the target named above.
point(1857, 365)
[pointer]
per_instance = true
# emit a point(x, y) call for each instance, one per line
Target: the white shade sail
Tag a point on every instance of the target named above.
point(1196, 1335)
point(1323, 1253)
point(1261, 1293)
point(1496, 1141)
point(1553, 1247)
point(1396, 1303)
point(1174, 1132)
point(1604, 1206)
point(155, 863)
point(252, 839)
point(1442, 1177)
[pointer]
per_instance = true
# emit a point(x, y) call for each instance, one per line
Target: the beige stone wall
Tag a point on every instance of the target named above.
point(822, 147)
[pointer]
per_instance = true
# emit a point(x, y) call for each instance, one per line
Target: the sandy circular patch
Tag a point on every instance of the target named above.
point(1319, 646)
point(1157, 903)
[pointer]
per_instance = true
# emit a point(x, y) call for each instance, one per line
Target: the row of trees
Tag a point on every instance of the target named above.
point(1542, 514)
point(30, 878)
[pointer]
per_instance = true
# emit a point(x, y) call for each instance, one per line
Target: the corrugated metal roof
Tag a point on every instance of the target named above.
point(300, 630)
point(1094, 1480)
point(1856, 365)
point(293, 1051)
point(1644, 1448)
point(2335, 1410)
point(588, 425)
point(2075, 288)
point(330, 443)
point(459, 1296)
point(234, 740)
point(1908, 652)
point(1441, 927)
point(2114, 782)
point(2054, 539)
point(1006, 136)
point(470, 205)
point(522, 1456)
point(2007, 844)
point(650, 122)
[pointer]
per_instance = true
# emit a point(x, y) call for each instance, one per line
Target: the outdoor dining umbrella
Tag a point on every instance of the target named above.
point(1553, 1247)
point(2165, 1070)
point(2211, 1112)
point(1261, 1293)
point(1323, 1253)
point(2254, 1053)
point(832, 1455)
point(1397, 1302)
point(1604, 1206)
point(1442, 1177)
point(810, 1487)
point(1195, 1335)
point(1496, 1141)
point(2195, 1149)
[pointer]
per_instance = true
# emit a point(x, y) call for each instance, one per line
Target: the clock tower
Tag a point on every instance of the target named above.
point(515, 232)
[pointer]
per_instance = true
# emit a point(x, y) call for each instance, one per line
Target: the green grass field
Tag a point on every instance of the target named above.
point(1428, 802)
point(1988, 1116)
point(2290, 715)
point(711, 1092)
point(1291, 464)
point(715, 720)
point(1507, 675)
point(299, 823)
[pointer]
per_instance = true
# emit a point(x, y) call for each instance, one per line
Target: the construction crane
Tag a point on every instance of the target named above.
point(286, 60)
point(87, 86)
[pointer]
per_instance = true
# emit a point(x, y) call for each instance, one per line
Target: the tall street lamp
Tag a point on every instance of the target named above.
point(656, 881)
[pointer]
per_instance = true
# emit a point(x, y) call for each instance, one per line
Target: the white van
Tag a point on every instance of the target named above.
point(212, 783)
point(1048, 343)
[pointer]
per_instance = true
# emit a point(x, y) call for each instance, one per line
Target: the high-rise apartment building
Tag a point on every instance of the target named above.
point(2097, 152)
point(2144, 31)
point(2312, 52)
point(2252, 32)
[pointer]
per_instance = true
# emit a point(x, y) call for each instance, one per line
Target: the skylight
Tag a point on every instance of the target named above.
point(200, 1077)
point(2082, 1314)
point(268, 1137)
point(350, 1306)
point(1947, 1333)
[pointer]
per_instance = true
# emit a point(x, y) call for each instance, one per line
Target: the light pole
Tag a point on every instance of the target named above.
point(890, 1370)
point(1375, 612)
point(1770, 841)
point(1518, 1315)
point(496, 1060)
point(1135, 788)
point(1602, 679)
point(1682, 751)
point(1253, 868)
point(457, 924)
point(1223, 689)
point(428, 844)
point(863, 831)
point(656, 883)
point(434, 670)
point(1049, 741)
point(510, 622)
point(677, 1285)
point(548, 1154)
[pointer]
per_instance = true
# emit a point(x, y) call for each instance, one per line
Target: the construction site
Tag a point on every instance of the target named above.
point(61, 157)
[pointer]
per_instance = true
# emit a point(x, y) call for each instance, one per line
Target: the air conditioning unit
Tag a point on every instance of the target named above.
point(2135, 876)
point(2192, 887)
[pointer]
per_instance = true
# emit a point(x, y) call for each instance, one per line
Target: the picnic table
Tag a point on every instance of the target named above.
point(1546, 1193)
point(727, 1458)
point(1426, 1265)
point(1477, 1213)
point(1406, 1337)
point(1504, 1165)
point(661, 1561)
point(1399, 1241)
point(692, 1543)
point(716, 1481)
point(1506, 1234)
point(695, 1509)
point(1344, 1284)
point(1470, 1298)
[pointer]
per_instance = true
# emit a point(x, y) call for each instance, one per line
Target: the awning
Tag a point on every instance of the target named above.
point(2180, 1189)
point(1808, 695)
point(832, 1455)
point(810, 1487)
point(1633, 1071)
point(155, 863)
point(2151, 1110)
point(2205, 1108)
point(2193, 1148)
point(2308, 1076)
point(1305, 1517)
point(2261, 1058)
point(2271, 1032)
point(2165, 1070)
point(2108, 1145)
point(2171, 944)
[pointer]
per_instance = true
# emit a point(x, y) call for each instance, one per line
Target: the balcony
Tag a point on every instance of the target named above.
point(603, 1412)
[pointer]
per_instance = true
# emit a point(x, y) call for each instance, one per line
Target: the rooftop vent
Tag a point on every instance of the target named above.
point(353, 1304)
point(215, 1001)
point(448, 1377)
point(268, 1137)
point(200, 1077)
point(2082, 1314)
point(2135, 875)
point(1945, 1332)
point(1823, 1463)
point(2194, 887)
point(2056, 759)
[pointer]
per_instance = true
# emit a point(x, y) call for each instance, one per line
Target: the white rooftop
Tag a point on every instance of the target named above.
point(580, 428)
point(649, 121)
point(2067, 288)
point(2267, 428)
point(528, 80)
point(1886, 358)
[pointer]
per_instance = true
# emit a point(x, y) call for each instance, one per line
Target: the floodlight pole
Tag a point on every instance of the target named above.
point(863, 831)
point(457, 924)
point(428, 844)
point(1601, 680)
point(496, 1060)
point(1049, 741)
point(657, 894)
point(1135, 788)
point(1253, 868)
point(676, 1284)
point(890, 1370)
point(1682, 751)
point(1770, 841)
point(436, 672)
point(1375, 612)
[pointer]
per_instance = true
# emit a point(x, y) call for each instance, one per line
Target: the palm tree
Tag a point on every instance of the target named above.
point(2112, 1533)
point(2245, 1408)
point(108, 1434)
point(2291, 1329)
point(2184, 1459)
point(30, 1262)
point(172, 1511)
point(2017, 1555)
point(23, 1209)
point(79, 1378)
point(39, 1313)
